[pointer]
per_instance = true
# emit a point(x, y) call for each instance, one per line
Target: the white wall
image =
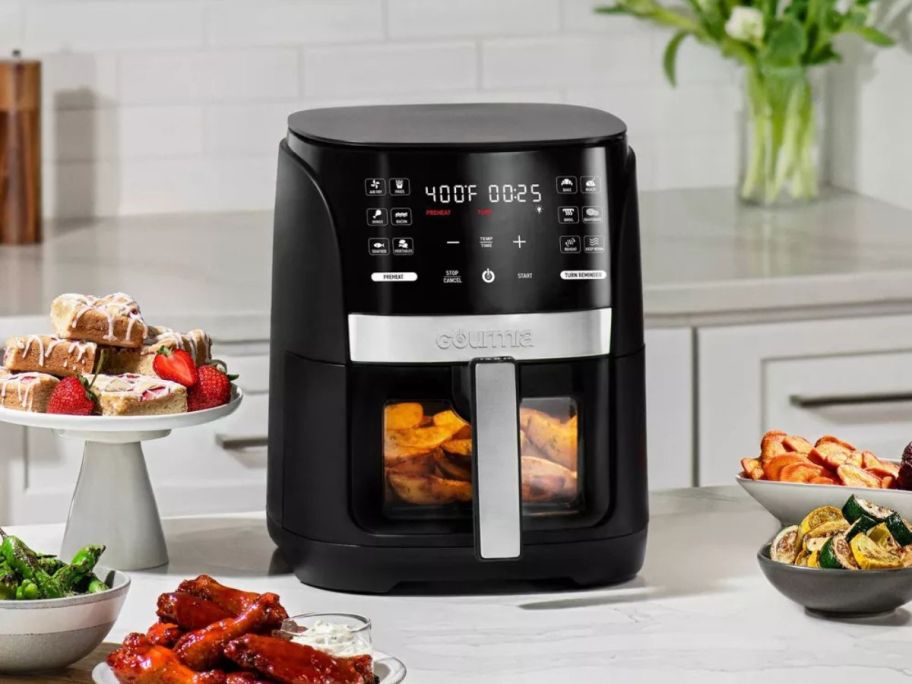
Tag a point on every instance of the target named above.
point(177, 105)
point(871, 116)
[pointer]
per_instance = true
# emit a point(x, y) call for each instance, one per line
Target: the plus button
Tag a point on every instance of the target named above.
point(519, 242)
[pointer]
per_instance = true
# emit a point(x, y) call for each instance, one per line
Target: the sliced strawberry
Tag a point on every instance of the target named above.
point(175, 365)
point(154, 393)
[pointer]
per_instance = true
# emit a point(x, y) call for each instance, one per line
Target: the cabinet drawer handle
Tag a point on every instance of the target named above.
point(826, 400)
point(242, 443)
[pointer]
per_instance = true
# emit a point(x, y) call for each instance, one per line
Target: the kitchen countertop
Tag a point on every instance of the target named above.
point(185, 270)
point(706, 259)
point(700, 611)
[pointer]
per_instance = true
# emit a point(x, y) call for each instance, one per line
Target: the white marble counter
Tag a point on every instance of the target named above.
point(700, 611)
point(706, 258)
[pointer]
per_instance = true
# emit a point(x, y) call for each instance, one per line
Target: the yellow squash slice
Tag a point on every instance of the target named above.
point(871, 556)
point(817, 517)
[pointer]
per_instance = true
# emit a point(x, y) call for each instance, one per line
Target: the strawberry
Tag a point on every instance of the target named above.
point(175, 365)
point(72, 396)
point(213, 388)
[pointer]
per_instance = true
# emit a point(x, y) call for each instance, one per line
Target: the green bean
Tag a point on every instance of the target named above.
point(22, 559)
point(28, 591)
point(95, 585)
point(8, 586)
point(70, 576)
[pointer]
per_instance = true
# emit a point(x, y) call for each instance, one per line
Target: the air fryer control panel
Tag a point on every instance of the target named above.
point(471, 232)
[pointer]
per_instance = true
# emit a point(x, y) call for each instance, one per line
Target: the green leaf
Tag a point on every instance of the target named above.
point(669, 59)
point(787, 42)
point(873, 35)
point(611, 9)
point(823, 55)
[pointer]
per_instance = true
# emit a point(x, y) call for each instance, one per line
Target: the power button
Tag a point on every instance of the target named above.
point(488, 275)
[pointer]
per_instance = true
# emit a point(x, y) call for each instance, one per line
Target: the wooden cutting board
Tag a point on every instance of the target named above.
point(80, 672)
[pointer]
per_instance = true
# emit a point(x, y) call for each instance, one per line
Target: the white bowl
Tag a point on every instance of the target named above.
point(49, 634)
point(791, 501)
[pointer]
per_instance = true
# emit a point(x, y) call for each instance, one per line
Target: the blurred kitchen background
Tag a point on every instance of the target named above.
point(161, 125)
point(177, 105)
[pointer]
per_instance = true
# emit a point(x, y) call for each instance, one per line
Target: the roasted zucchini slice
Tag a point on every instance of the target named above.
point(855, 508)
point(836, 554)
point(900, 531)
point(864, 524)
point(785, 546)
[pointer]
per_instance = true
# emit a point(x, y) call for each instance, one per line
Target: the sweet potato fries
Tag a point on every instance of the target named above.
point(212, 634)
point(830, 461)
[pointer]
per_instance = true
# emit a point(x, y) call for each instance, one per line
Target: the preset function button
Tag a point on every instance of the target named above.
point(566, 185)
point(374, 187)
point(592, 214)
point(590, 183)
point(394, 276)
point(399, 186)
point(583, 275)
point(377, 217)
point(593, 243)
point(403, 246)
point(568, 215)
point(401, 216)
point(378, 246)
point(569, 244)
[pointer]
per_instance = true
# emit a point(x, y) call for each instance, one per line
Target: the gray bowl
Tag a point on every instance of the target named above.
point(50, 634)
point(839, 592)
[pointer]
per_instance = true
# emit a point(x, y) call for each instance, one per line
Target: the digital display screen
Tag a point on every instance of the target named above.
point(466, 193)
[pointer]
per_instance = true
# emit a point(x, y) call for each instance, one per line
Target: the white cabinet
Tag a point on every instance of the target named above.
point(218, 467)
point(669, 412)
point(848, 377)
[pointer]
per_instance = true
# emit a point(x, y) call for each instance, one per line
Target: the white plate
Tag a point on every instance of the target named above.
point(791, 501)
point(388, 670)
point(172, 421)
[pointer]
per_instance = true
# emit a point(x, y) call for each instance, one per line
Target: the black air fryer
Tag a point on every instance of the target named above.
point(457, 384)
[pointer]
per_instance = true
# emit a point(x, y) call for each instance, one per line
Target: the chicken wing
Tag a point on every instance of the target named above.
point(290, 663)
point(202, 649)
point(164, 634)
point(234, 601)
point(140, 662)
point(189, 611)
point(245, 678)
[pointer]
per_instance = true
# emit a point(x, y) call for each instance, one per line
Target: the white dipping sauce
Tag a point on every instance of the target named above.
point(338, 640)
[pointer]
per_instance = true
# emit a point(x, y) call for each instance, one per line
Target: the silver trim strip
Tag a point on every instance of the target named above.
point(498, 510)
point(455, 339)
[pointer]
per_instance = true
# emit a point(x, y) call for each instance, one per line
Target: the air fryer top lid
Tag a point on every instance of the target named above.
point(456, 125)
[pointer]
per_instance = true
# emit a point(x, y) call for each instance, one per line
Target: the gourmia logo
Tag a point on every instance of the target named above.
point(485, 339)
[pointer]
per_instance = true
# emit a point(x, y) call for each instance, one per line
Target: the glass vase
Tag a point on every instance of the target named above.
point(781, 154)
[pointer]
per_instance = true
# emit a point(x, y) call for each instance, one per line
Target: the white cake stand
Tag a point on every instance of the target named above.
point(113, 503)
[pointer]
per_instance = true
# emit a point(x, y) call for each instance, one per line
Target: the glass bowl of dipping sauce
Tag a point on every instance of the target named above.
point(341, 635)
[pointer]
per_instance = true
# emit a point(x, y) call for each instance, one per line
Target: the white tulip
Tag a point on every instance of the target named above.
point(746, 24)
